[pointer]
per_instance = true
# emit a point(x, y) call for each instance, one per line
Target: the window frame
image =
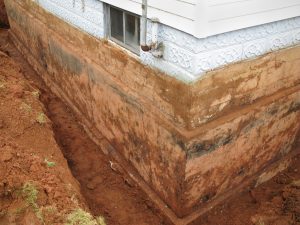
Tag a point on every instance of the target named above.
point(108, 29)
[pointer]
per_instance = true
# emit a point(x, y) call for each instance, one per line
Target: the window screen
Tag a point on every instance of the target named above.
point(116, 21)
point(124, 28)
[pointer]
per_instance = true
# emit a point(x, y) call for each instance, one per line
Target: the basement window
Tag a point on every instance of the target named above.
point(124, 28)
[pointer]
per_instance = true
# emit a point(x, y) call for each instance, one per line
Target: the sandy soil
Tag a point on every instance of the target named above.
point(28, 147)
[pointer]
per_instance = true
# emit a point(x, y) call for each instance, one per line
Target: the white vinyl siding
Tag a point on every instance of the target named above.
point(203, 18)
point(174, 13)
point(227, 15)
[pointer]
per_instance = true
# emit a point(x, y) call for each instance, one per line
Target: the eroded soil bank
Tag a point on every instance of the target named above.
point(36, 185)
point(105, 188)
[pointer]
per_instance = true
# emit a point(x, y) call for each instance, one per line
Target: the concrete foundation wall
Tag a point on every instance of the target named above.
point(191, 143)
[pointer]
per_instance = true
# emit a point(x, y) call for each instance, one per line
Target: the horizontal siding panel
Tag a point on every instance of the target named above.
point(172, 20)
point(179, 8)
point(203, 18)
point(174, 13)
point(175, 7)
point(224, 2)
point(231, 24)
point(128, 5)
point(238, 9)
point(193, 2)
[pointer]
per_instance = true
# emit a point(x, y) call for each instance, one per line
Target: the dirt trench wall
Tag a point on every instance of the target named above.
point(191, 143)
point(3, 15)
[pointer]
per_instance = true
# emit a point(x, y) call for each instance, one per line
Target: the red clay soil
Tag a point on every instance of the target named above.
point(36, 185)
point(111, 193)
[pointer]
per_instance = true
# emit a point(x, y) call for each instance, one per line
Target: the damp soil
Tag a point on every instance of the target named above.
point(104, 189)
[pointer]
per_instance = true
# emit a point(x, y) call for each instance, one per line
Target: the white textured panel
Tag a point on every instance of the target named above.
point(197, 56)
point(86, 15)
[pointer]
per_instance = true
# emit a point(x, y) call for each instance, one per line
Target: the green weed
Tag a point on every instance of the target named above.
point(49, 163)
point(29, 193)
point(80, 217)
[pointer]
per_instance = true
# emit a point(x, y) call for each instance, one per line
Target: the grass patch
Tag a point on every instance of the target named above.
point(41, 118)
point(49, 163)
point(81, 217)
point(29, 193)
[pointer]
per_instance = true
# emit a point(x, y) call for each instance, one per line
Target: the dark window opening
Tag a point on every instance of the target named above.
point(124, 28)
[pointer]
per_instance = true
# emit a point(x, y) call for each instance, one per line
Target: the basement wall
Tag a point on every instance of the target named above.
point(191, 145)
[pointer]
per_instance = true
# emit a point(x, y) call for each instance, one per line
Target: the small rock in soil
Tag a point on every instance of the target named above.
point(115, 167)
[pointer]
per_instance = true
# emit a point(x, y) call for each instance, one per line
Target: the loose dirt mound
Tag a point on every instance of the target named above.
point(36, 186)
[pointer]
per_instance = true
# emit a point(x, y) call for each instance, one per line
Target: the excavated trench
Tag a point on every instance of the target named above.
point(111, 193)
point(107, 191)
